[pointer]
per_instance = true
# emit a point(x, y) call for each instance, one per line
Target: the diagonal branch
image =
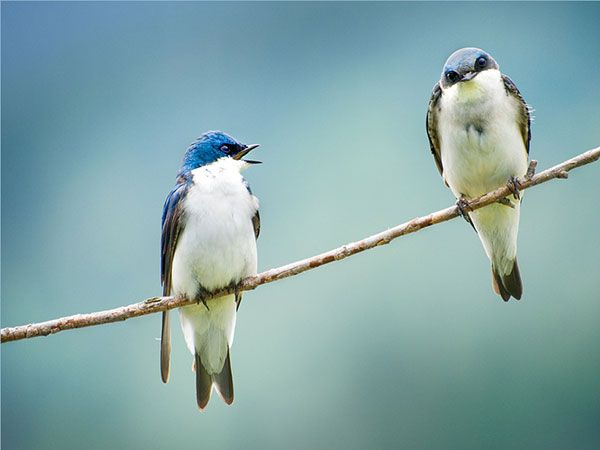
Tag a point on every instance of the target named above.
point(157, 304)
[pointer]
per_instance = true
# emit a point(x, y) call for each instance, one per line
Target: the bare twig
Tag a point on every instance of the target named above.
point(157, 304)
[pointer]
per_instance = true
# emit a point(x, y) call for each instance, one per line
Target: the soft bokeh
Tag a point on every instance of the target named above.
point(405, 346)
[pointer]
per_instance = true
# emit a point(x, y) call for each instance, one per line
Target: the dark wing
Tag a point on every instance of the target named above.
point(172, 224)
point(256, 218)
point(433, 111)
point(256, 224)
point(524, 119)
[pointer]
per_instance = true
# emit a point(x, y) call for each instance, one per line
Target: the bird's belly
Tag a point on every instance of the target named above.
point(217, 247)
point(478, 157)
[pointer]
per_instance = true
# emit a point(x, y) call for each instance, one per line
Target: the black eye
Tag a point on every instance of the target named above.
point(480, 62)
point(451, 76)
point(225, 149)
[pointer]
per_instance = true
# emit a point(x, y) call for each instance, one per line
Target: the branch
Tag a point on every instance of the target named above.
point(156, 304)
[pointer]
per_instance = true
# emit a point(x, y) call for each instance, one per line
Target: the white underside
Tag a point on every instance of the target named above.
point(217, 247)
point(481, 148)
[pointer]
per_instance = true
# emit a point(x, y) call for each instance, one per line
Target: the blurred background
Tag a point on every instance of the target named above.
point(405, 346)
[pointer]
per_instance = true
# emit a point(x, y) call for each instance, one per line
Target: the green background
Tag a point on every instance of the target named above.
point(405, 346)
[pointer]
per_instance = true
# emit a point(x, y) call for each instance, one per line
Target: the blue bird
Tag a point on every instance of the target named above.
point(210, 224)
point(478, 129)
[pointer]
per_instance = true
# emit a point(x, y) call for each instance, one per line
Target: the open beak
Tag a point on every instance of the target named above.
point(245, 151)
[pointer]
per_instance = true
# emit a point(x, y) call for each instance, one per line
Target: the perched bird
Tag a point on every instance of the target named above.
point(478, 128)
point(210, 224)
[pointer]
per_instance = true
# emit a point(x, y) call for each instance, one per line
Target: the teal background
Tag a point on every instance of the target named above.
point(405, 346)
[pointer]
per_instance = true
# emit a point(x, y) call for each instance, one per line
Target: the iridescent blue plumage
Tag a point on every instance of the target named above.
point(209, 147)
point(210, 223)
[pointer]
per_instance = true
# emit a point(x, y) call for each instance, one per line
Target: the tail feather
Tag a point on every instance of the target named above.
point(513, 282)
point(165, 347)
point(509, 285)
point(223, 381)
point(203, 384)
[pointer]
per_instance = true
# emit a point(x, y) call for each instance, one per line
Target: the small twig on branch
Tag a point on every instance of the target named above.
point(153, 305)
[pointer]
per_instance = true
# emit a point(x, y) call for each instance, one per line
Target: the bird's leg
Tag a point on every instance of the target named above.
point(237, 294)
point(463, 207)
point(201, 294)
point(513, 186)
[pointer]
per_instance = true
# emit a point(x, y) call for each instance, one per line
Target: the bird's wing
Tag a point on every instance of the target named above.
point(256, 218)
point(172, 225)
point(524, 118)
point(256, 224)
point(433, 111)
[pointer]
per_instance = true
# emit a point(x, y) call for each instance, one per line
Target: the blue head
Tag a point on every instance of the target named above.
point(465, 64)
point(211, 146)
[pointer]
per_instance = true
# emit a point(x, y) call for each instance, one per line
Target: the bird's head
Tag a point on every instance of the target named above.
point(465, 64)
point(212, 146)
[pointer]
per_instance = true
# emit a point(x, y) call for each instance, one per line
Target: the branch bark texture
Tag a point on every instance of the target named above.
point(156, 304)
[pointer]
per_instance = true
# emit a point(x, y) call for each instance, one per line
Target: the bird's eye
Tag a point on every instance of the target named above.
point(480, 62)
point(451, 76)
point(225, 149)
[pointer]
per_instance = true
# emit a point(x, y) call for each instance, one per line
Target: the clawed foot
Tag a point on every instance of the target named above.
point(463, 207)
point(513, 186)
point(200, 297)
point(198, 300)
point(237, 294)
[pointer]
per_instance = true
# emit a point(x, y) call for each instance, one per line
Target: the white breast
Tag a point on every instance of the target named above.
point(217, 245)
point(480, 140)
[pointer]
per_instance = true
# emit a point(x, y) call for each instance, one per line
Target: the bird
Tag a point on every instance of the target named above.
point(478, 126)
point(210, 224)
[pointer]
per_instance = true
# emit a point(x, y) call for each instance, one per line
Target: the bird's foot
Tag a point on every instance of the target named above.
point(201, 297)
point(463, 209)
point(237, 294)
point(513, 186)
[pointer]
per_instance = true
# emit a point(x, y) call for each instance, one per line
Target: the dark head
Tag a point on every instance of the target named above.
point(211, 146)
point(465, 64)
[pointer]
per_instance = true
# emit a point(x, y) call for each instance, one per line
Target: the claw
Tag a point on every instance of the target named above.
point(463, 206)
point(200, 297)
point(513, 186)
point(238, 297)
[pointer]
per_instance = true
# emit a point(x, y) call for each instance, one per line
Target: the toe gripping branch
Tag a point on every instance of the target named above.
point(514, 184)
point(463, 206)
point(201, 297)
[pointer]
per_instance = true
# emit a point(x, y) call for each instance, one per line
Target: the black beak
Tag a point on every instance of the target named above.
point(245, 151)
point(468, 76)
